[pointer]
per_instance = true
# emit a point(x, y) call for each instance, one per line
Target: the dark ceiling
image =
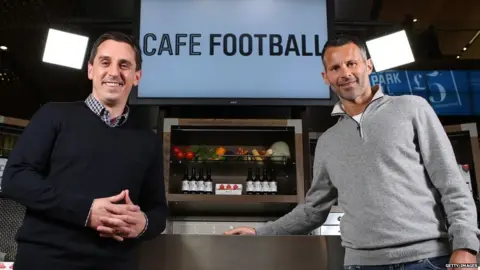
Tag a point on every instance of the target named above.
point(26, 82)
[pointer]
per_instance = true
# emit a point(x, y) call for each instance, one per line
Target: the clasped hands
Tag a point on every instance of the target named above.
point(114, 220)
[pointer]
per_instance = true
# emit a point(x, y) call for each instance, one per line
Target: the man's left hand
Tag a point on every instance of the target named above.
point(135, 220)
point(461, 256)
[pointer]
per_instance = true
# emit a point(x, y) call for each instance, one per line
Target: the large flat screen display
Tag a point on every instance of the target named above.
point(232, 51)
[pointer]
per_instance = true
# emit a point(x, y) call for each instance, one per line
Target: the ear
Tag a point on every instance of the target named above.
point(90, 71)
point(369, 66)
point(138, 76)
point(324, 76)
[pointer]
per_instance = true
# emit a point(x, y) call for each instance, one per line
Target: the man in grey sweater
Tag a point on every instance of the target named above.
point(391, 166)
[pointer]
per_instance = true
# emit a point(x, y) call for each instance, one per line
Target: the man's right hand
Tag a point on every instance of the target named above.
point(241, 231)
point(103, 207)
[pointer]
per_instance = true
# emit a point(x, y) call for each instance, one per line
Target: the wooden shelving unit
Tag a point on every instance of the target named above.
point(10, 129)
point(4, 120)
point(233, 133)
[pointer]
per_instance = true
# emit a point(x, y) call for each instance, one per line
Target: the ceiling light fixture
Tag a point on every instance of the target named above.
point(474, 37)
point(65, 49)
point(3, 48)
point(390, 51)
point(465, 48)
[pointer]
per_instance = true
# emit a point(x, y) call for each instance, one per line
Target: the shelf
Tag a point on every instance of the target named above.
point(230, 162)
point(233, 198)
point(238, 159)
point(255, 129)
point(182, 205)
point(11, 130)
point(13, 123)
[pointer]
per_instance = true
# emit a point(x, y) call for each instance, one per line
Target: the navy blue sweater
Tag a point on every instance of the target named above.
point(66, 158)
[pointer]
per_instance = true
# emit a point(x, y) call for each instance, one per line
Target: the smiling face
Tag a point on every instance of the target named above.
point(347, 71)
point(113, 72)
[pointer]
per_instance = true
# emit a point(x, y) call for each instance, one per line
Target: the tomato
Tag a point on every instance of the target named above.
point(189, 155)
point(180, 155)
point(176, 149)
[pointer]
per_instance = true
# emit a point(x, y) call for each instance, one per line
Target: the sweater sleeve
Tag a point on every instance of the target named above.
point(319, 200)
point(25, 176)
point(152, 199)
point(439, 159)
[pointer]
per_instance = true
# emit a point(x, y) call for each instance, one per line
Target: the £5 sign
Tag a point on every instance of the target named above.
point(446, 90)
point(440, 87)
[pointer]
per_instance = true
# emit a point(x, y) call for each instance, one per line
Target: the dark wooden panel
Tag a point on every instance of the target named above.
point(231, 205)
point(218, 252)
point(232, 198)
point(211, 210)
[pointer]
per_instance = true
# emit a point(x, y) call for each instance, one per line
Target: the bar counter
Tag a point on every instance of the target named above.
point(219, 252)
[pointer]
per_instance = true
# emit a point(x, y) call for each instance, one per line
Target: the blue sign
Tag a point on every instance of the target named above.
point(450, 92)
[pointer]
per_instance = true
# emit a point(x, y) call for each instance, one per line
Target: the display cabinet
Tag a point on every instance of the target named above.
point(243, 167)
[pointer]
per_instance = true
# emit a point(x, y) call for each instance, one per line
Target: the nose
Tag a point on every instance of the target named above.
point(113, 70)
point(345, 72)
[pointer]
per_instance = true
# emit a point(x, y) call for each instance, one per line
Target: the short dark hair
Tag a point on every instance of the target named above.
point(120, 37)
point(343, 39)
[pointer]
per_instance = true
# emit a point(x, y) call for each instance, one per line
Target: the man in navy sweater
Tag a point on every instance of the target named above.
point(90, 178)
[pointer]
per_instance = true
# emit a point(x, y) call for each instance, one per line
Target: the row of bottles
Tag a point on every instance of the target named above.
point(261, 185)
point(197, 185)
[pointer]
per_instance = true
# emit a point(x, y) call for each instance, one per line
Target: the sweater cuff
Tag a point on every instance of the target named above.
point(77, 208)
point(265, 230)
point(466, 240)
point(146, 226)
point(88, 217)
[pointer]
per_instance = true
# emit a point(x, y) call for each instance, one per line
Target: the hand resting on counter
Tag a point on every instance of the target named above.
point(241, 231)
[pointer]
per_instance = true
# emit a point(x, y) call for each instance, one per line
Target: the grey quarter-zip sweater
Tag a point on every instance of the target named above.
point(395, 175)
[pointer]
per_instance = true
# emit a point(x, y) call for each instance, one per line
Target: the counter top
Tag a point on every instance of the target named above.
point(220, 252)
